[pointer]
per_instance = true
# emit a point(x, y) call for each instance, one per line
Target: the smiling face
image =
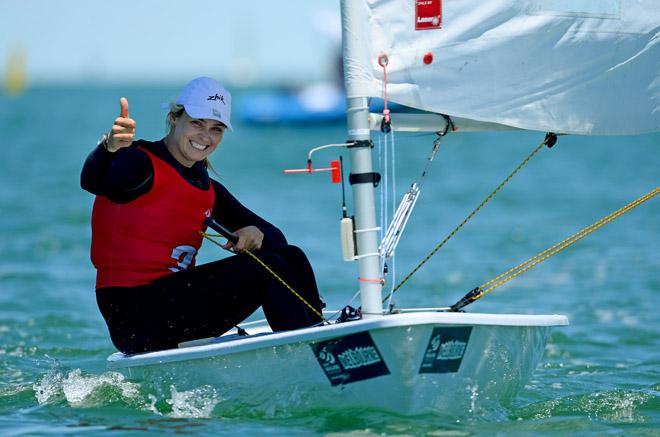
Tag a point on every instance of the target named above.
point(193, 139)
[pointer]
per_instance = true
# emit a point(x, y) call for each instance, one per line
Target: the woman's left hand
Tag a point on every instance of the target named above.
point(249, 238)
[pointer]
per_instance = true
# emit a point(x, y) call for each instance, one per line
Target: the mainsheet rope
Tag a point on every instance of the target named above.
point(549, 141)
point(521, 268)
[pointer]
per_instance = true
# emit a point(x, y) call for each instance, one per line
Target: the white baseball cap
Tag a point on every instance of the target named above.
point(204, 97)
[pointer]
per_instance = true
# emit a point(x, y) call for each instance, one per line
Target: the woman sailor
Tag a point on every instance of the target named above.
point(151, 202)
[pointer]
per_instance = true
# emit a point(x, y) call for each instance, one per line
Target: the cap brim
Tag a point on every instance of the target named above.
point(202, 112)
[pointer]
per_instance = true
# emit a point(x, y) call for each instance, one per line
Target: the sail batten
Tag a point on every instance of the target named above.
point(582, 67)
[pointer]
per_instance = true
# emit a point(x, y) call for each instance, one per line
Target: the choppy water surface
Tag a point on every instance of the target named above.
point(600, 375)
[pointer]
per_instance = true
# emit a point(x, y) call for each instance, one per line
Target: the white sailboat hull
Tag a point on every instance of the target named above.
point(405, 363)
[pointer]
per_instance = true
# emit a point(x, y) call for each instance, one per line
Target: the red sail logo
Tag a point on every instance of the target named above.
point(428, 14)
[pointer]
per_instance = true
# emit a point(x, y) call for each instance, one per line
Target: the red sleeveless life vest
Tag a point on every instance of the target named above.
point(152, 236)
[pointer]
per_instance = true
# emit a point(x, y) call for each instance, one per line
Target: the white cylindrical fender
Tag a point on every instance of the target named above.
point(347, 239)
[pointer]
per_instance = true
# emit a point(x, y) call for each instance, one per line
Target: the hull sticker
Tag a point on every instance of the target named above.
point(350, 359)
point(445, 350)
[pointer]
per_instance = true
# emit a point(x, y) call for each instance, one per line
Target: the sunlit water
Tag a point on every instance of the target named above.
point(600, 375)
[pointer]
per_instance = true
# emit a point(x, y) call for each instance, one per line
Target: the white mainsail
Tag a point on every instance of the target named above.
point(570, 66)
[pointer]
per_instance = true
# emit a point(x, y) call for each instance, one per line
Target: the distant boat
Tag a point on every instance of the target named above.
point(15, 80)
point(316, 103)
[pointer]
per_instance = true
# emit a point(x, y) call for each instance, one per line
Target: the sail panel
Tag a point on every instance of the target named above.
point(578, 66)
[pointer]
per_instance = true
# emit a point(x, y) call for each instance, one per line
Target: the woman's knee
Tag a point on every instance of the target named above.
point(296, 253)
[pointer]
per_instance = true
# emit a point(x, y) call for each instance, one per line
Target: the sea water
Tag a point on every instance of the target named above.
point(600, 375)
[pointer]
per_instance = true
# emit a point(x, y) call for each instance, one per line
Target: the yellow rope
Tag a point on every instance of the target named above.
point(523, 267)
point(486, 200)
point(256, 258)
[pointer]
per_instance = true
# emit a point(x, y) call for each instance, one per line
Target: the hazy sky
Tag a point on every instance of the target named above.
point(238, 41)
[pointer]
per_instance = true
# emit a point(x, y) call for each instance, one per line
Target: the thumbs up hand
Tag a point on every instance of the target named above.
point(123, 130)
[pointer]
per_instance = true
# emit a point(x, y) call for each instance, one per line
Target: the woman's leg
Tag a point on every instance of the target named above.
point(210, 299)
point(283, 309)
point(205, 301)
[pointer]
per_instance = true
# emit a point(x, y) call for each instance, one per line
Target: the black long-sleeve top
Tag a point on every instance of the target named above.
point(127, 174)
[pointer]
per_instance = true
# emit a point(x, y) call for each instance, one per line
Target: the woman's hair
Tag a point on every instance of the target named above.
point(176, 111)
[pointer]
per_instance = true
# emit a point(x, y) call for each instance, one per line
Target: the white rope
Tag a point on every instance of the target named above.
point(400, 217)
point(316, 149)
point(383, 162)
point(393, 199)
point(336, 313)
point(385, 184)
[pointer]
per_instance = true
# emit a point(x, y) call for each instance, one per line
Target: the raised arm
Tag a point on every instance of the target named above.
point(115, 169)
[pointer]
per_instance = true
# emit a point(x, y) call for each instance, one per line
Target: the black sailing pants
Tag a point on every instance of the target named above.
point(208, 300)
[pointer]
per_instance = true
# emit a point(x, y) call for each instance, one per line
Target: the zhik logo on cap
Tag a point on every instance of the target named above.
point(217, 97)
